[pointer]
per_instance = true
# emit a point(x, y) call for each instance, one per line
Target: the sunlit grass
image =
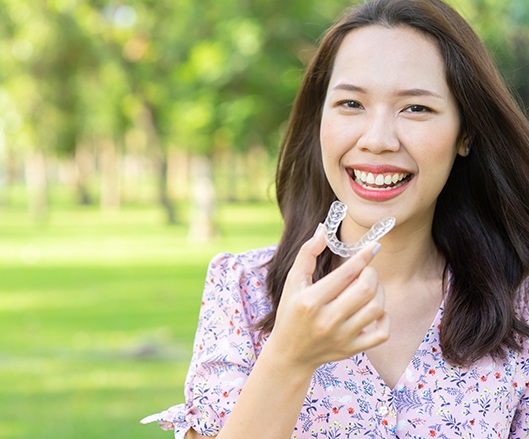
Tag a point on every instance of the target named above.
point(98, 313)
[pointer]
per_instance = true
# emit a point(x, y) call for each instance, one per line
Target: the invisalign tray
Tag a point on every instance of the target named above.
point(336, 214)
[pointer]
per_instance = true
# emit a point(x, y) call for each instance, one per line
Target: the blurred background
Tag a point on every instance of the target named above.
point(138, 139)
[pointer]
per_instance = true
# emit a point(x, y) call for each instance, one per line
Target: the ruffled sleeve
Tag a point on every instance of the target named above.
point(225, 347)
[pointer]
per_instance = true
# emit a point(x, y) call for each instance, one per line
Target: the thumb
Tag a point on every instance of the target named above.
point(305, 262)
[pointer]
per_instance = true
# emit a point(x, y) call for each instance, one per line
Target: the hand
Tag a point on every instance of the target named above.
point(328, 320)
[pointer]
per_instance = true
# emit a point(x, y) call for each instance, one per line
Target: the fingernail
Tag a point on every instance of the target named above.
point(376, 248)
point(319, 229)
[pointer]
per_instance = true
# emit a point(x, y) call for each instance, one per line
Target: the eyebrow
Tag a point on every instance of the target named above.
point(349, 87)
point(400, 93)
point(418, 92)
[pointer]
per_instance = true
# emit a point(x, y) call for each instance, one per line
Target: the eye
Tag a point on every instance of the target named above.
point(418, 109)
point(350, 104)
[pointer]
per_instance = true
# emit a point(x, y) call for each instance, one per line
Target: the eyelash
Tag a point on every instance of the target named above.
point(351, 104)
point(421, 109)
point(348, 103)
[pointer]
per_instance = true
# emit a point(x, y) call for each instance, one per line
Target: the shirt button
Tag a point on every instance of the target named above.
point(383, 410)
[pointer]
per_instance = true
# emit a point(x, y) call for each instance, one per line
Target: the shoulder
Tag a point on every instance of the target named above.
point(236, 285)
point(246, 262)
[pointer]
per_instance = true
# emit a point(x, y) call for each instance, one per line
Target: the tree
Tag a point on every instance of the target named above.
point(210, 79)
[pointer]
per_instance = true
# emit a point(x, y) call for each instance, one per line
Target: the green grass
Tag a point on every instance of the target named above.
point(98, 313)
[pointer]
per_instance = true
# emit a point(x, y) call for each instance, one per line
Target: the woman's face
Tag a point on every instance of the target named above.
point(390, 127)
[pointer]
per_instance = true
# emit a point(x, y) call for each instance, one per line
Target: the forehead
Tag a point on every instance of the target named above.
point(397, 55)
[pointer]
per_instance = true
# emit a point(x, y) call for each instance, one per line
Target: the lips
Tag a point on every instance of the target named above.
point(378, 183)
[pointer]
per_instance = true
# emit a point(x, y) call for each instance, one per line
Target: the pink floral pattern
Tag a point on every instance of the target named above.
point(348, 398)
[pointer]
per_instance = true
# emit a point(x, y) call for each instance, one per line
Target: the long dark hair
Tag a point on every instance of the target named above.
point(481, 222)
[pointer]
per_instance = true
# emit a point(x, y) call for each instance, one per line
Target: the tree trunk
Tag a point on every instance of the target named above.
point(203, 200)
point(84, 167)
point(161, 163)
point(163, 192)
point(37, 185)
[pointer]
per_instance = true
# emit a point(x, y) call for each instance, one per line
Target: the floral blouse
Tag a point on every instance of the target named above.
point(347, 398)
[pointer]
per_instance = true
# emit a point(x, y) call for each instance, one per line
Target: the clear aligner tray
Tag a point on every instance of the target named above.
point(336, 214)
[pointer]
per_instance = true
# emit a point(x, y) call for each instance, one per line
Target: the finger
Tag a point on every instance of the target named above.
point(335, 282)
point(360, 322)
point(305, 262)
point(357, 294)
point(377, 335)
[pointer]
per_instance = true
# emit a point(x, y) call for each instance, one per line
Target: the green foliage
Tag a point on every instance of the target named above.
point(209, 70)
point(504, 27)
point(154, 76)
point(197, 67)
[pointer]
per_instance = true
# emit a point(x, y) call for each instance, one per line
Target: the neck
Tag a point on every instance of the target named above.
point(409, 259)
point(408, 255)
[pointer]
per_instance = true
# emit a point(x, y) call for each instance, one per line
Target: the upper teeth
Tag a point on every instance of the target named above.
point(379, 179)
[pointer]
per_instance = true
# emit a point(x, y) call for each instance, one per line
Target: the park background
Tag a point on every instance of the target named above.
point(137, 140)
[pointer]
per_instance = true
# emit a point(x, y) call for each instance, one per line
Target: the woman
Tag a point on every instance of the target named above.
point(401, 113)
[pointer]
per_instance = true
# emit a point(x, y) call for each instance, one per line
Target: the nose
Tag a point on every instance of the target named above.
point(378, 133)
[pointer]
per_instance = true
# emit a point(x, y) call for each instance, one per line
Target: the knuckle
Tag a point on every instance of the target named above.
point(371, 272)
point(306, 305)
point(375, 309)
point(381, 336)
point(379, 310)
point(322, 328)
point(365, 288)
point(325, 328)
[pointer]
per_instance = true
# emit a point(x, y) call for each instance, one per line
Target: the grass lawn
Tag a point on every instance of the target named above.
point(98, 313)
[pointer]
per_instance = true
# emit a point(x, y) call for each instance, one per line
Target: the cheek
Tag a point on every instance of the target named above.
point(330, 140)
point(436, 147)
point(327, 141)
point(437, 161)
point(325, 131)
point(336, 138)
point(445, 151)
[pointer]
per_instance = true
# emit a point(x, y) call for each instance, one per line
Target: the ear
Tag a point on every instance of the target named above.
point(463, 145)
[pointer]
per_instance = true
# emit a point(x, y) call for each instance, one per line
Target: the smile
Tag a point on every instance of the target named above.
point(384, 182)
point(379, 183)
